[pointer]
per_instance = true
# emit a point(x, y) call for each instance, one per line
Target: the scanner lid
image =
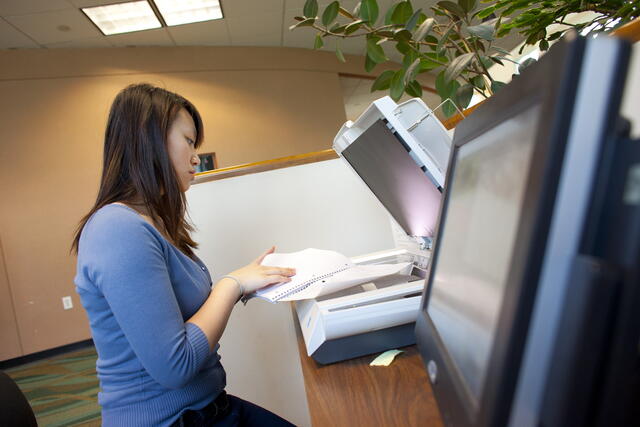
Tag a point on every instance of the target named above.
point(400, 152)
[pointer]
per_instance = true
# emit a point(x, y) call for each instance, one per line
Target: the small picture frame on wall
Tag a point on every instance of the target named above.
point(208, 162)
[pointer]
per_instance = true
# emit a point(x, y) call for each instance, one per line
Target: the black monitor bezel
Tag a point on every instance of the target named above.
point(556, 98)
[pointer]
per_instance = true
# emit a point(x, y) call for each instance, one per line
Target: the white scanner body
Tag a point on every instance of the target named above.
point(377, 316)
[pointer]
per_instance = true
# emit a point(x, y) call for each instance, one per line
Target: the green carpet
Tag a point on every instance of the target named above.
point(62, 390)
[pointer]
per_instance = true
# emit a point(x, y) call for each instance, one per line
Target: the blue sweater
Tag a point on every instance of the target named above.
point(139, 290)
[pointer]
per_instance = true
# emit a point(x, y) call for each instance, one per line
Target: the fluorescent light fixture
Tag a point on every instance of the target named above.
point(123, 17)
point(187, 11)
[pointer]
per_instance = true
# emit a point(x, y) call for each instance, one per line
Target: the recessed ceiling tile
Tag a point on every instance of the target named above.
point(82, 43)
point(235, 8)
point(299, 4)
point(94, 3)
point(158, 37)
point(24, 7)
point(210, 33)
point(54, 27)
point(266, 23)
point(12, 38)
point(261, 40)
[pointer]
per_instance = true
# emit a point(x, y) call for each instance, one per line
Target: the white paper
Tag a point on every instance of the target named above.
point(320, 272)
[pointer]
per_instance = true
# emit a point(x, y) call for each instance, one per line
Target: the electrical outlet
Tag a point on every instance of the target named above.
point(67, 303)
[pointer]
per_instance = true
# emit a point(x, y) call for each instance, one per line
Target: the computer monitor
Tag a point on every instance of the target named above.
point(518, 261)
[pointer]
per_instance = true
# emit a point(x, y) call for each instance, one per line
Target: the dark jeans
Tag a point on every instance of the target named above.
point(227, 411)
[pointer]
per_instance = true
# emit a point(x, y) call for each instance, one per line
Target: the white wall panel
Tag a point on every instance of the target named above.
point(322, 205)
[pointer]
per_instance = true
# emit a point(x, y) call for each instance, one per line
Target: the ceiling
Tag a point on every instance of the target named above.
point(53, 24)
point(61, 24)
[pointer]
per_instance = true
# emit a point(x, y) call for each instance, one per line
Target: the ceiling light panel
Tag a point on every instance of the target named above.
point(188, 11)
point(123, 17)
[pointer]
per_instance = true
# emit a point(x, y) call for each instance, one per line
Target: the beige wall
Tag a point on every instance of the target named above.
point(257, 103)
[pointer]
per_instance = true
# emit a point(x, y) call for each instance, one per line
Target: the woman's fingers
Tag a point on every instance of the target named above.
point(282, 271)
point(278, 279)
point(261, 257)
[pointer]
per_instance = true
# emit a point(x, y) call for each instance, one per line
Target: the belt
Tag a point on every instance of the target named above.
point(217, 409)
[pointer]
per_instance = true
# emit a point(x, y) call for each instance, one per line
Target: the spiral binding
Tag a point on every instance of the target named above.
point(304, 285)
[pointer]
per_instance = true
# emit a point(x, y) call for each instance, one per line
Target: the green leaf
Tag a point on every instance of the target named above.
point(413, 21)
point(403, 47)
point(444, 39)
point(383, 82)
point(497, 60)
point(369, 65)
point(356, 10)
point(310, 8)
point(344, 12)
point(478, 82)
point(555, 36)
point(482, 31)
point(424, 29)
point(306, 23)
point(414, 89)
point(457, 65)
point(448, 108)
point(389, 14)
point(427, 65)
point(486, 61)
point(544, 45)
point(339, 54)
point(526, 63)
point(330, 13)
point(402, 13)
point(452, 8)
point(446, 89)
point(463, 96)
point(397, 85)
point(337, 29)
point(467, 5)
point(408, 59)
point(437, 57)
point(318, 42)
point(433, 41)
point(501, 50)
point(369, 11)
point(496, 86)
point(412, 71)
point(353, 27)
point(402, 35)
point(375, 51)
point(484, 13)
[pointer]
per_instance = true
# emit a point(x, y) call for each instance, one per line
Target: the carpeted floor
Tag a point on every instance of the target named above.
point(62, 390)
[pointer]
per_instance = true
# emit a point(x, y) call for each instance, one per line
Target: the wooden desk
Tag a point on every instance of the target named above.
point(352, 393)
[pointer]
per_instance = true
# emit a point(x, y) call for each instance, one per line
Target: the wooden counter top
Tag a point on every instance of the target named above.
point(352, 393)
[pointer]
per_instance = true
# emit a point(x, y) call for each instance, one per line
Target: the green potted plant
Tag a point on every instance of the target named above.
point(453, 40)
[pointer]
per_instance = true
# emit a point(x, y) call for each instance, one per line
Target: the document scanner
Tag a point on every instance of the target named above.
point(400, 152)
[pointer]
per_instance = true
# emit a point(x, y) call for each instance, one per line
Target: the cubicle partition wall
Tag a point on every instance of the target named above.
point(322, 205)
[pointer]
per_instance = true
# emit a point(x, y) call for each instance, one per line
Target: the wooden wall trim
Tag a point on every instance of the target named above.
point(267, 165)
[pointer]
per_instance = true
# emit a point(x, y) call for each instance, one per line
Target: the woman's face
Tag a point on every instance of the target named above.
point(181, 148)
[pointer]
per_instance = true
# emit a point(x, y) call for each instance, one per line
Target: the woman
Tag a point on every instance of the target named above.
point(155, 318)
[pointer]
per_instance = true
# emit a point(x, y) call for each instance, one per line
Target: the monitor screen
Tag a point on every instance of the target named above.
point(487, 189)
point(385, 164)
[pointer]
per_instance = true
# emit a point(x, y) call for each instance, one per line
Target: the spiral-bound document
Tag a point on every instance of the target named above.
point(321, 272)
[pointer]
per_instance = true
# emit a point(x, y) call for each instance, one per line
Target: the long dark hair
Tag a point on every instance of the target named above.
point(136, 166)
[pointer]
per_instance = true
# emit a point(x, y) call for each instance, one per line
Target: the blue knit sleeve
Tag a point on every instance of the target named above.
point(127, 264)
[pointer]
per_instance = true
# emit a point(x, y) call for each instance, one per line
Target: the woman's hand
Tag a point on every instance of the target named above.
point(255, 276)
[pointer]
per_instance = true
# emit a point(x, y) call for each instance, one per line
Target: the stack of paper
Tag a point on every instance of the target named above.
point(320, 272)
